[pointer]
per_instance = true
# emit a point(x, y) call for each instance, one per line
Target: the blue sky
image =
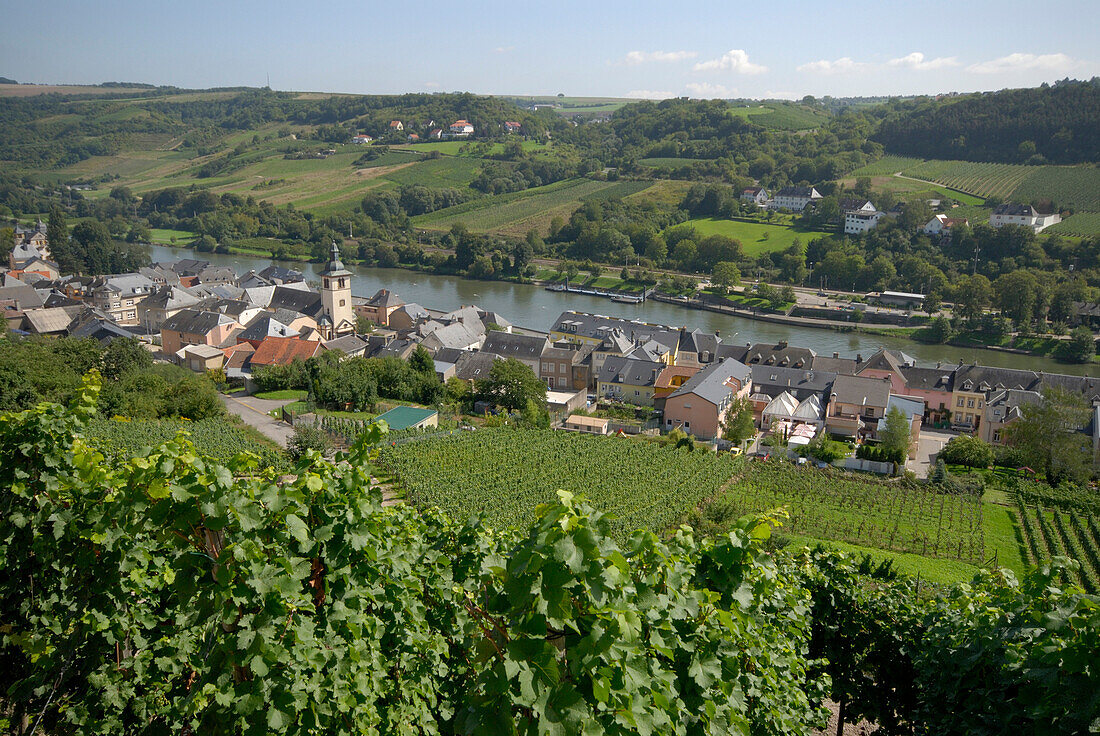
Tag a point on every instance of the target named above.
point(639, 49)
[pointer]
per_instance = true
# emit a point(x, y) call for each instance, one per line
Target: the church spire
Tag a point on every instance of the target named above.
point(334, 264)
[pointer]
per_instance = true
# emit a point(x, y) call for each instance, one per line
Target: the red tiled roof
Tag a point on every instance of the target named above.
point(284, 350)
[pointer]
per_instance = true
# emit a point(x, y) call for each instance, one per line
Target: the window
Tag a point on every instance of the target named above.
point(960, 401)
point(970, 403)
point(979, 404)
point(342, 302)
point(687, 425)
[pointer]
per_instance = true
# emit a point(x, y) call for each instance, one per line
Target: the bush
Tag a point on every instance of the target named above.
point(880, 454)
point(307, 437)
point(967, 450)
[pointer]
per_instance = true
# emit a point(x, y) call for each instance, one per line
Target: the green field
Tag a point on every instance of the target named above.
point(504, 473)
point(1076, 187)
point(755, 237)
point(886, 166)
point(517, 212)
point(171, 237)
point(781, 116)
point(1082, 224)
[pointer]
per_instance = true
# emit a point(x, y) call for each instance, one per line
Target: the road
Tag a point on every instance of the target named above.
point(254, 412)
point(929, 443)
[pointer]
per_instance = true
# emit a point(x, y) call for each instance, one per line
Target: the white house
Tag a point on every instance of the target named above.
point(396, 125)
point(460, 129)
point(857, 222)
point(361, 139)
point(756, 195)
point(941, 223)
point(794, 199)
point(1022, 214)
point(511, 126)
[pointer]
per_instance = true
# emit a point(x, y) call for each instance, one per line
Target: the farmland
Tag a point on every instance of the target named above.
point(217, 438)
point(886, 166)
point(1080, 224)
point(1060, 521)
point(780, 116)
point(517, 212)
point(504, 473)
point(755, 237)
point(1076, 187)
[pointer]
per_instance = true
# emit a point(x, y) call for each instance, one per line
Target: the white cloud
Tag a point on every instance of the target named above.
point(735, 60)
point(504, 49)
point(917, 61)
point(641, 57)
point(1024, 62)
point(648, 94)
point(708, 91)
point(843, 65)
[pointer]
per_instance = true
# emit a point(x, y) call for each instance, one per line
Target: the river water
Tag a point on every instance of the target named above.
point(537, 308)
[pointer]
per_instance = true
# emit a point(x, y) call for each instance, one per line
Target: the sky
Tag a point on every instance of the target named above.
point(644, 49)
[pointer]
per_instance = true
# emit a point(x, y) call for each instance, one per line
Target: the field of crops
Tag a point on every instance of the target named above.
point(886, 165)
point(518, 211)
point(985, 180)
point(217, 438)
point(504, 473)
point(1081, 224)
point(1076, 187)
point(1049, 531)
point(857, 510)
point(780, 116)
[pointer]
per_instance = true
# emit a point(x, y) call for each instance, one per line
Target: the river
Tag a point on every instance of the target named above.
point(537, 308)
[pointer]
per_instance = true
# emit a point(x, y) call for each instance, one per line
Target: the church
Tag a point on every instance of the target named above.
point(337, 317)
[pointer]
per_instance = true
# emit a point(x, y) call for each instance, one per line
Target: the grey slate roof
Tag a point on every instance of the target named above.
point(510, 345)
point(472, 366)
point(710, 383)
point(385, 298)
point(1013, 208)
point(928, 379)
point(630, 372)
point(306, 302)
point(772, 380)
point(349, 345)
point(195, 322)
point(263, 326)
point(598, 327)
point(861, 391)
point(780, 354)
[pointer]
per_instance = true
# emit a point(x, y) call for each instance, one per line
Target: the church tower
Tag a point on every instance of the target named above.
point(338, 317)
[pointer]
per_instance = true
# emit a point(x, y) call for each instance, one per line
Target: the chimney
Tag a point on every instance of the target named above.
point(836, 355)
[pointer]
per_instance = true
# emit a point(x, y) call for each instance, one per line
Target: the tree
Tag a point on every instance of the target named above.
point(726, 274)
point(511, 384)
point(931, 303)
point(895, 435)
point(972, 295)
point(968, 450)
point(1018, 296)
point(940, 330)
point(123, 356)
point(306, 437)
point(421, 361)
point(1081, 347)
point(738, 422)
point(1049, 436)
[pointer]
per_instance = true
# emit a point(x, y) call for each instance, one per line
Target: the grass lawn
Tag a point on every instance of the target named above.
point(171, 237)
point(755, 237)
point(287, 393)
point(932, 569)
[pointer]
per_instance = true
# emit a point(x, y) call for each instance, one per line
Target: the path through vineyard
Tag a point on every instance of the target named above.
point(254, 412)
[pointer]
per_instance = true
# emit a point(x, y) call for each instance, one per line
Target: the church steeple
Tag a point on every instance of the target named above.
point(336, 297)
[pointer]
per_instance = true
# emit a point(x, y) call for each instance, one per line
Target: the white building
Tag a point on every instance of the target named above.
point(857, 222)
point(794, 199)
point(460, 129)
point(361, 139)
point(756, 195)
point(941, 223)
point(1024, 215)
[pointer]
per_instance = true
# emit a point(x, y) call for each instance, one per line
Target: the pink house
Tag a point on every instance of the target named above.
point(699, 405)
point(930, 385)
point(194, 327)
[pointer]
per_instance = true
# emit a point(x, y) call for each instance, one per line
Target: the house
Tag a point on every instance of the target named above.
point(455, 335)
point(699, 406)
point(941, 224)
point(782, 354)
point(511, 126)
point(162, 304)
point(473, 366)
point(194, 327)
point(379, 307)
point(903, 299)
point(396, 125)
point(794, 199)
point(284, 351)
point(407, 317)
point(596, 329)
point(201, 358)
point(854, 403)
point(756, 195)
point(561, 403)
point(932, 386)
point(460, 129)
point(563, 366)
point(435, 134)
point(279, 275)
point(92, 324)
point(856, 204)
point(632, 381)
point(1004, 407)
point(361, 139)
point(263, 326)
point(779, 409)
point(913, 411)
point(1023, 215)
point(119, 295)
point(696, 348)
point(800, 383)
point(857, 222)
point(527, 349)
point(586, 425)
point(49, 320)
point(670, 380)
point(350, 345)
point(408, 417)
point(413, 138)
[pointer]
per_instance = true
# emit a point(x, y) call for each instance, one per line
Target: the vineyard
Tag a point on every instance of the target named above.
point(1049, 532)
point(214, 437)
point(1076, 187)
point(886, 166)
point(504, 474)
point(1081, 224)
point(827, 505)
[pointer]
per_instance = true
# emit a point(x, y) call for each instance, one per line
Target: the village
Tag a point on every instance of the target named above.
point(603, 375)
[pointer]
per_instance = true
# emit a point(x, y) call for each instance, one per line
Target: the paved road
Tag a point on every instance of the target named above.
point(930, 442)
point(255, 413)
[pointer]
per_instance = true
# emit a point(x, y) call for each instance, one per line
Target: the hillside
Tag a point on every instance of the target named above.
point(1055, 124)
